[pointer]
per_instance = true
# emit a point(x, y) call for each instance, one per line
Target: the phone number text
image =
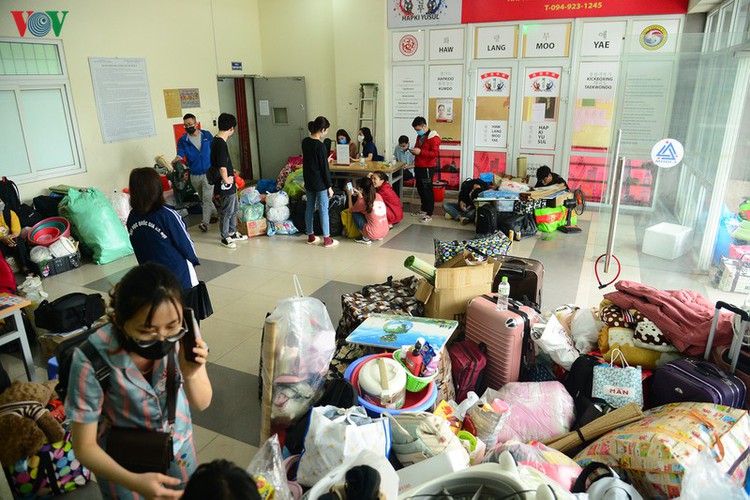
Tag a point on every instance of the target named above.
point(573, 6)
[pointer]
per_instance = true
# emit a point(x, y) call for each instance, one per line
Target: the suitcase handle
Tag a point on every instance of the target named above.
point(709, 370)
point(735, 309)
point(735, 349)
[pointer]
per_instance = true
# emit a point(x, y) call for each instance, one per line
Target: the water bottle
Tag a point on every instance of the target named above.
point(503, 292)
point(362, 160)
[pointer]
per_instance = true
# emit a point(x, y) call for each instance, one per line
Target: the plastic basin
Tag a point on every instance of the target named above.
point(48, 231)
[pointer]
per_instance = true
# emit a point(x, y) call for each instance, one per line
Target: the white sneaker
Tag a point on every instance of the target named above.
point(425, 219)
point(237, 236)
point(228, 243)
point(419, 213)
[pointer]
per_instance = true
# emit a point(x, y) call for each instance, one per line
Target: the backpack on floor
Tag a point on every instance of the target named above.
point(487, 216)
point(70, 312)
point(64, 354)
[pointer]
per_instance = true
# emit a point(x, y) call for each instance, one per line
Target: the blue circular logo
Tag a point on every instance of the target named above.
point(39, 24)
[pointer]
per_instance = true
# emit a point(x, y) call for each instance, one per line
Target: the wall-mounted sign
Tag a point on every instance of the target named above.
point(446, 81)
point(236, 66)
point(447, 44)
point(496, 42)
point(407, 46)
point(408, 91)
point(667, 153)
point(412, 13)
point(546, 40)
point(597, 80)
point(655, 35)
point(39, 23)
point(490, 11)
point(602, 38)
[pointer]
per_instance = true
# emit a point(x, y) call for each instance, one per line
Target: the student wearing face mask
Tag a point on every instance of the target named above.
point(142, 349)
point(195, 148)
point(342, 137)
point(317, 175)
point(369, 150)
point(425, 153)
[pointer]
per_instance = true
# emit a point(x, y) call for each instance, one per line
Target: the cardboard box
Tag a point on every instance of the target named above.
point(733, 276)
point(456, 283)
point(253, 228)
point(558, 200)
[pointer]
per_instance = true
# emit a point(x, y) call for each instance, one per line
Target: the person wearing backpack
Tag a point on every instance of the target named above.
point(194, 147)
point(140, 349)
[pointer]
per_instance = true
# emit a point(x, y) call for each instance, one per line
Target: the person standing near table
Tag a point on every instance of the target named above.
point(425, 153)
point(195, 148)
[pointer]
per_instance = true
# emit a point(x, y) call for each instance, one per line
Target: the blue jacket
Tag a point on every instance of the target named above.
point(161, 237)
point(197, 161)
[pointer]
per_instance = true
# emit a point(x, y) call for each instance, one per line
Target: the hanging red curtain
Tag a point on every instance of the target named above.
point(243, 134)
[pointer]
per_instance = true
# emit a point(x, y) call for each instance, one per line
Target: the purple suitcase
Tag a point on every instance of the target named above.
point(698, 380)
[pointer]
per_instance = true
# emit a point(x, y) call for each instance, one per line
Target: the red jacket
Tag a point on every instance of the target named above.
point(429, 145)
point(394, 212)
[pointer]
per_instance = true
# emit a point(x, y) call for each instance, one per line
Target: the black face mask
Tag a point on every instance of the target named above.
point(153, 352)
point(190, 130)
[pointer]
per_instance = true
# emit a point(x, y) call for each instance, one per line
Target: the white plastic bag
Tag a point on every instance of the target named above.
point(388, 477)
point(249, 196)
point(121, 203)
point(268, 465)
point(278, 213)
point(555, 342)
point(280, 199)
point(538, 411)
point(32, 289)
point(704, 478)
point(585, 329)
point(336, 436)
point(304, 346)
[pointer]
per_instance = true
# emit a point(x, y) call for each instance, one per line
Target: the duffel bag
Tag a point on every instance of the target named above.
point(70, 312)
point(654, 451)
point(522, 224)
point(549, 219)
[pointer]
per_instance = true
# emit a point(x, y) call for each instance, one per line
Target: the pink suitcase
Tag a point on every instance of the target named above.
point(507, 335)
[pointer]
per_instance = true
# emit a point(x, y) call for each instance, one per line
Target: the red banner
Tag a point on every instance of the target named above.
point(489, 11)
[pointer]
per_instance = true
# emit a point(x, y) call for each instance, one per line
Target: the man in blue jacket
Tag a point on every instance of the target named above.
point(195, 148)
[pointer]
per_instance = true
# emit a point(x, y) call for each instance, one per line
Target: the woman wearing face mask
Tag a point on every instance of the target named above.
point(140, 346)
point(369, 150)
point(342, 137)
point(317, 177)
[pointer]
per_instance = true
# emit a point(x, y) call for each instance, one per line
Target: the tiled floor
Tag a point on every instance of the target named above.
point(245, 283)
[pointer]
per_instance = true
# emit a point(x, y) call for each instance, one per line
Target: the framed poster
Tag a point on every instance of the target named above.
point(407, 46)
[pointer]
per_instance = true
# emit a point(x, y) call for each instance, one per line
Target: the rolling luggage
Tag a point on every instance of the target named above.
point(724, 355)
point(468, 361)
point(486, 219)
point(699, 380)
point(525, 277)
point(507, 335)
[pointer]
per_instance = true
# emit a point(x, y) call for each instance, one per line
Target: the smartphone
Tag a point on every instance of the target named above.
point(349, 187)
point(189, 341)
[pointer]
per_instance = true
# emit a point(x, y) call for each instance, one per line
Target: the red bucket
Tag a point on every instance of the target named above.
point(438, 190)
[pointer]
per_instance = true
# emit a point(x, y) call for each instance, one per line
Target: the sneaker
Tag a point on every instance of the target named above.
point(214, 219)
point(237, 236)
point(449, 216)
point(203, 227)
point(420, 213)
point(228, 243)
point(363, 240)
point(329, 242)
point(425, 219)
point(465, 221)
point(312, 239)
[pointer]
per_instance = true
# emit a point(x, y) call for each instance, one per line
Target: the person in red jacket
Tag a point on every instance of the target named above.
point(394, 211)
point(425, 153)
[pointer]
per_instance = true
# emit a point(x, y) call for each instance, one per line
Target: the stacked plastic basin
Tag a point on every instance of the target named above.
point(48, 231)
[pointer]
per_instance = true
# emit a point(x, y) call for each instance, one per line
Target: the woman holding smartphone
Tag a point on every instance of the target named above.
point(151, 382)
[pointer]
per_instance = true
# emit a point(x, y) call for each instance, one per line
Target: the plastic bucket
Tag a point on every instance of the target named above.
point(415, 401)
point(438, 190)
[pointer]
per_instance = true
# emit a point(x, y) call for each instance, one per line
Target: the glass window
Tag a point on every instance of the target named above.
point(741, 22)
point(489, 162)
point(29, 59)
point(15, 157)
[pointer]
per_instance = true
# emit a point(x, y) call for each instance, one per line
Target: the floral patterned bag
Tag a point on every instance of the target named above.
point(618, 386)
point(490, 246)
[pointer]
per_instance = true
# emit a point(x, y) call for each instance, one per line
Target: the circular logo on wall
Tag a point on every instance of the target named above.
point(667, 153)
point(653, 37)
point(408, 45)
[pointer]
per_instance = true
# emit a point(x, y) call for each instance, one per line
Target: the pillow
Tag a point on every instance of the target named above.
point(649, 336)
point(492, 245)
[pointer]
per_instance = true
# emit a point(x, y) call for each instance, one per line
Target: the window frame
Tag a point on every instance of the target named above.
point(20, 83)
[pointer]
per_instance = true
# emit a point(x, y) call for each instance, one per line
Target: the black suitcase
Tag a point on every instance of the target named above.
point(487, 219)
point(525, 277)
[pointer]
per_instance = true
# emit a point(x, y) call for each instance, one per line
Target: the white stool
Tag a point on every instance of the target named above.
point(19, 333)
point(667, 241)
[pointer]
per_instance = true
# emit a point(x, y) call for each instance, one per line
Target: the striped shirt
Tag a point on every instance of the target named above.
point(130, 401)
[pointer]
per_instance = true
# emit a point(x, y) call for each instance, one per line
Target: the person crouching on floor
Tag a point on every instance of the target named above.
point(393, 208)
point(464, 210)
point(368, 211)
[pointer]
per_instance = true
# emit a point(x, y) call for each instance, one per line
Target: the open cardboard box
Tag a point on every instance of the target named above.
point(456, 282)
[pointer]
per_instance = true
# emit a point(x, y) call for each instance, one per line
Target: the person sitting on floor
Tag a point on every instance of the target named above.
point(464, 210)
point(546, 177)
point(368, 212)
point(394, 210)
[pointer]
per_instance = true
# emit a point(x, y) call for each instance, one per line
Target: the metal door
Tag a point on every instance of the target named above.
point(281, 115)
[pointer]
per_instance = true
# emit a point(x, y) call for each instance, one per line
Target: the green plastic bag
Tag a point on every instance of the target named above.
point(295, 185)
point(549, 219)
point(249, 213)
point(95, 224)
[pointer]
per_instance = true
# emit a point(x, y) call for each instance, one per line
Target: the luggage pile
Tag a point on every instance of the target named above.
point(450, 386)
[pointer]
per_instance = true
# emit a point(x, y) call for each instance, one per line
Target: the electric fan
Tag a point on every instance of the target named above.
point(577, 203)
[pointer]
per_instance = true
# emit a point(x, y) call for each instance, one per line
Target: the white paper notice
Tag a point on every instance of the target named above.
point(597, 80)
point(446, 81)
point(264, 108)
point(342, 154)
point(538, 135)
point(408, 91)
point(493, 133)
point(537, 111)
point(123, 98)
